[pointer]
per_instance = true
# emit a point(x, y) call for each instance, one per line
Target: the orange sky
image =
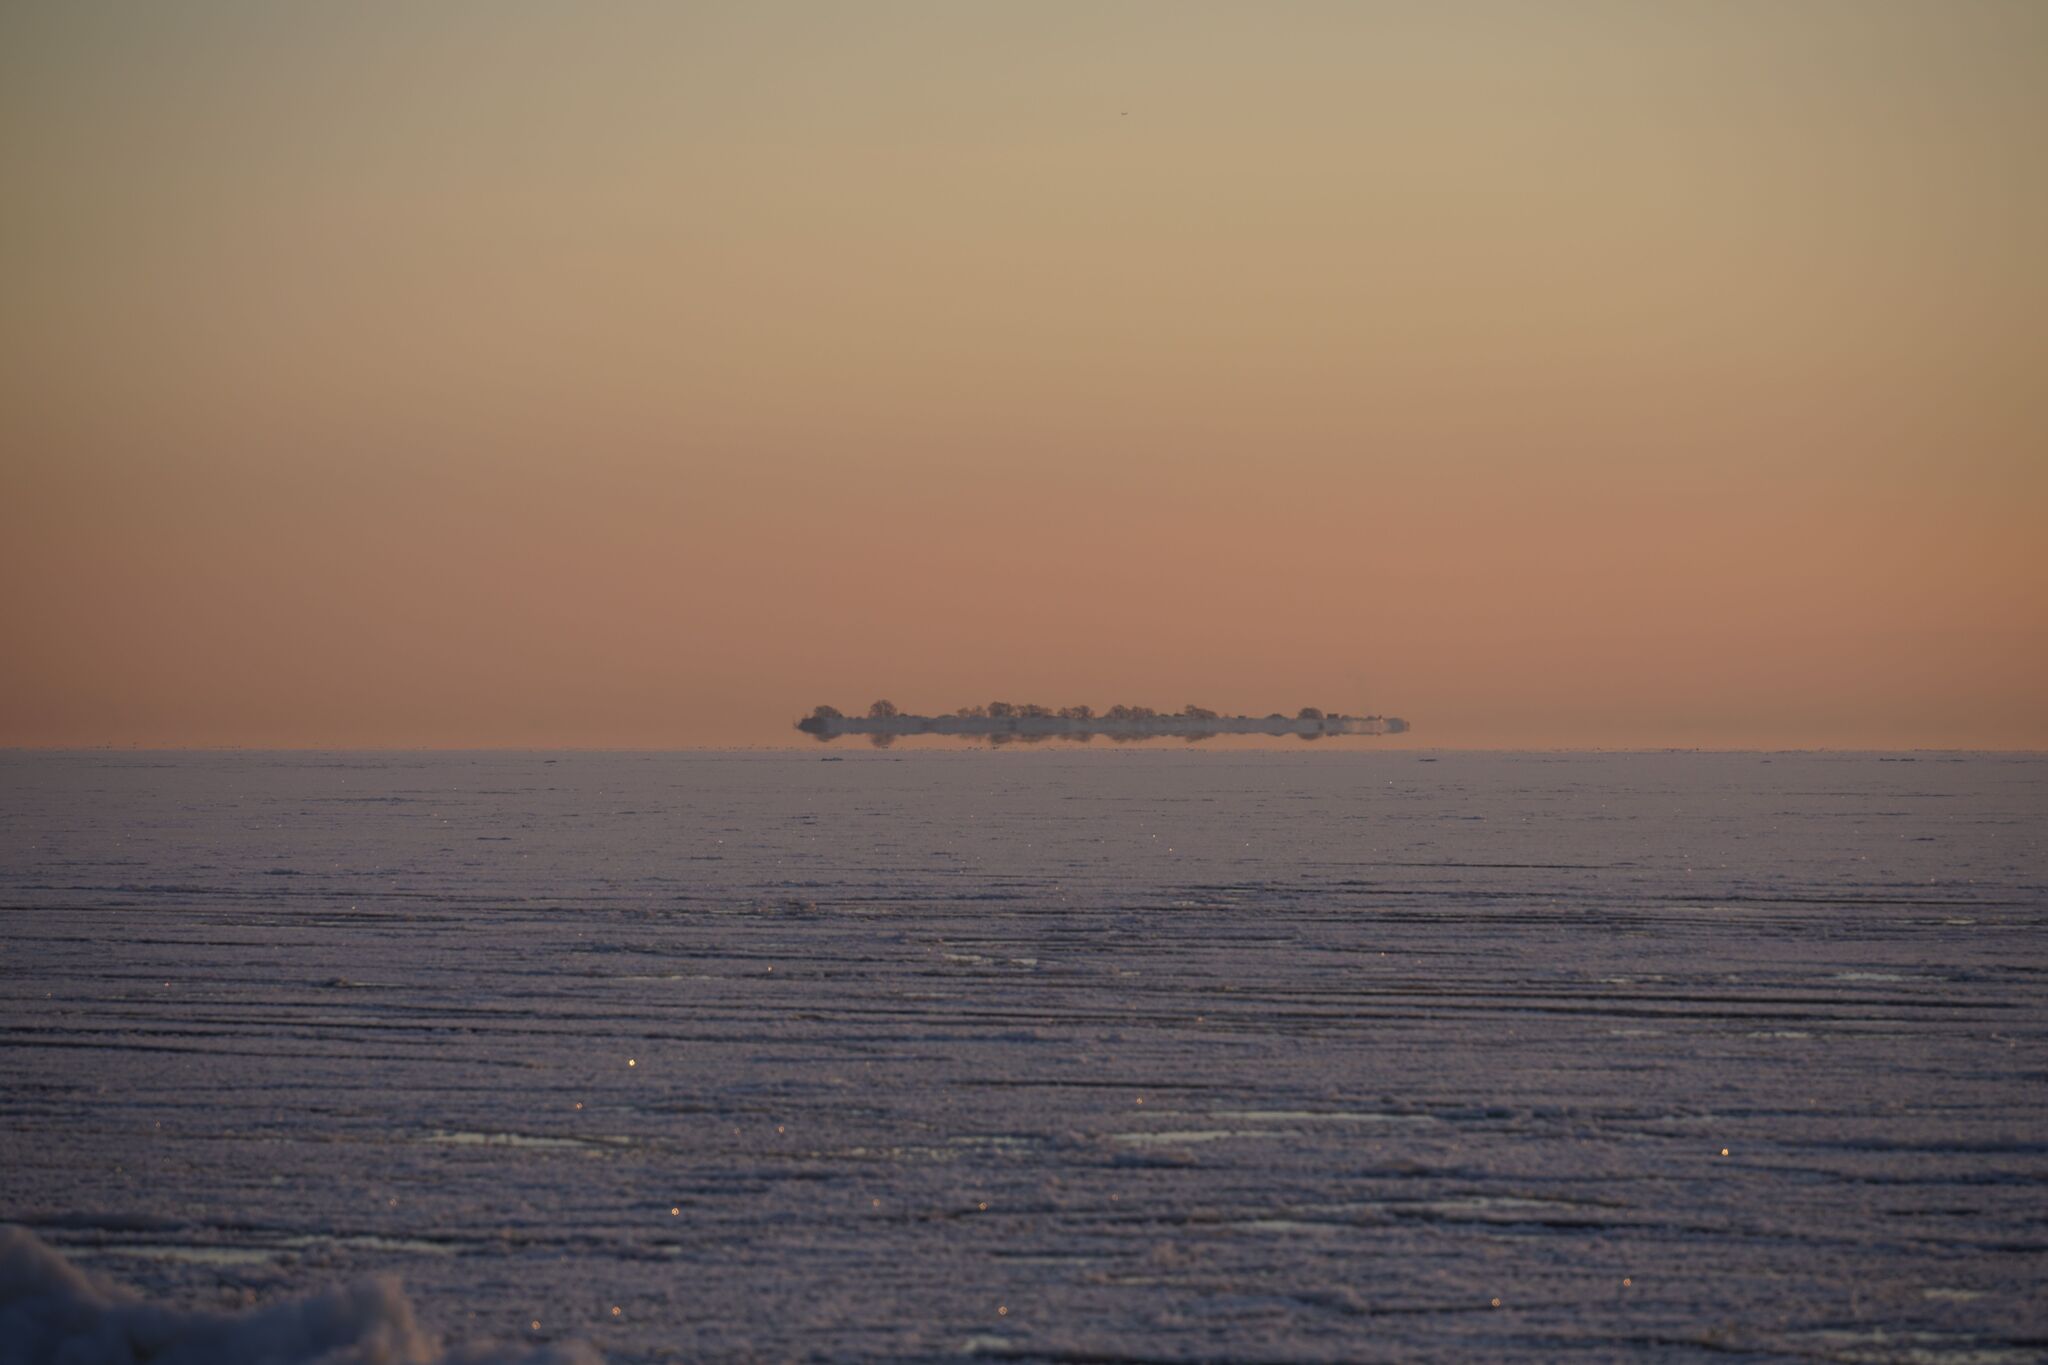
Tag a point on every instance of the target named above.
point(1562, 374)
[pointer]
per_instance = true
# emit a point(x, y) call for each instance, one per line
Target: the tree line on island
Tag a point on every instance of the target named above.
point(1004, 710)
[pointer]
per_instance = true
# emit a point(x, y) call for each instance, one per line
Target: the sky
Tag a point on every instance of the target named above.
point(517, 374)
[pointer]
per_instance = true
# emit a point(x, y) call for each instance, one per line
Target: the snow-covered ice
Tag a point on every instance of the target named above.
point(1042, 1055)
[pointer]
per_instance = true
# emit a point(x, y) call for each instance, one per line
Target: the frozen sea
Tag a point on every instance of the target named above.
point(1049, 1055)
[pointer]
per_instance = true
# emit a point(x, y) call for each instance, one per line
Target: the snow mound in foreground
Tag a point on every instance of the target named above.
point(53, 1313)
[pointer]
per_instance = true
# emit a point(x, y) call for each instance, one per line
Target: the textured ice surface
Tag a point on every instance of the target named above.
point(1047, 1055)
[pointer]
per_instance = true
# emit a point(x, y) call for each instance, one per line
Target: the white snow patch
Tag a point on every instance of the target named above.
point(1324, 1116)
point(465, 1138)
point(1185, 1135)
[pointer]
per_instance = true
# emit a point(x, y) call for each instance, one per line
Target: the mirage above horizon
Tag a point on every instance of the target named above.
point(1004, 722)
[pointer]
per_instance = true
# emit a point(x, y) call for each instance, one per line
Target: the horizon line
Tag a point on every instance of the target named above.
point(960, 744)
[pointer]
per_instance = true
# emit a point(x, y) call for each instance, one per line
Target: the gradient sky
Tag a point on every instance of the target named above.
point(1550, 374)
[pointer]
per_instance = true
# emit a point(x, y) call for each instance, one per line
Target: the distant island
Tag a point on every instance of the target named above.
point(1005, 722)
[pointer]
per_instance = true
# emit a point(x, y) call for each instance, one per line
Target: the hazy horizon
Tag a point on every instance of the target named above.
point(1578, 376)
point(1351, 744)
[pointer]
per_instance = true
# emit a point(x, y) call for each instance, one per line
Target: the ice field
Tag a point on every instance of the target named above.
point(1058, 1054)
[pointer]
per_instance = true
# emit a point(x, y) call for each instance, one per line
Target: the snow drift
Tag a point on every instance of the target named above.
point(53, 1313)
